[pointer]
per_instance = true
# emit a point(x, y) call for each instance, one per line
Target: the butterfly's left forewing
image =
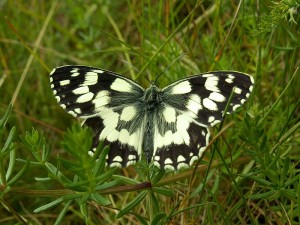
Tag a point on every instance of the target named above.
point(108, 103)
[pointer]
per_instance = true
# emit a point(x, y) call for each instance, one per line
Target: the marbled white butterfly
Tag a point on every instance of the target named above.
point(168, 126)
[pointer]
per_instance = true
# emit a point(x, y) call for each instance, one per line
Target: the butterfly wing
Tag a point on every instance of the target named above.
point(109, 104)
point(191, 106)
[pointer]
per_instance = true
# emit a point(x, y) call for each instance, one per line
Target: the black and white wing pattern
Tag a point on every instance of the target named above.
point(168, 126)
point(191, 106)
point(108, 103)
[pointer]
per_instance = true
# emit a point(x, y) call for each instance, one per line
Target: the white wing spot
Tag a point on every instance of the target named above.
point(211, 83)
point(74, 70)
point(81, 90)
point(124, 136)
point(235, 107)
point(113, 135)
point(85, 98)
point(91, 78)
point(110, 121)
point(156, 158)
point(57, 98)
point(52, 72)
point(135, 141)
point(211, 119)
point(116, 164)
point(169, 114)
point(129, 163)
point(64, 82)
point(215, 96)
point(201, 150)
point(131, 157)
point(155, 163)
point(118, 159)
point(209, 104)
point(98, 71)
point(77, 110)
point(121, 85)
point(168, 161)
point(180, 158)
point(208, 75)
point(183, 122)
point(215, 122)
point(169, 167)
point(101, 99)
point(182, 165)
point(178, 139)
point(237, 90)
point(128, 113)
point(194, 104)
point(102, 94)
point(181, 88)
point(131, 160)
point(74, 74)
point(168, 138)
point(51, 79)
point(110, 118)
point(193, 159)
point(251, 88)
point(229, 80)
point(72, 113)
point(63, 106)
point(52, 86)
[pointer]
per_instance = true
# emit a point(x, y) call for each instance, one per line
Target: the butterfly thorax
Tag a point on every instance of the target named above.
point(152, 97)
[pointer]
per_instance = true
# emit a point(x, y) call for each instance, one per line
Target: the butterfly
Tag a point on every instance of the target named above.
point(169, 126)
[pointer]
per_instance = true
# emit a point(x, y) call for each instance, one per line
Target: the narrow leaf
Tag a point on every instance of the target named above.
point(132, 204)
point(100, 199)
point(19, 174)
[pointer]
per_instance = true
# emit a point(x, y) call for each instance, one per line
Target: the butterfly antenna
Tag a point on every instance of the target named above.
point(173, 62)
point(129, 65)
point(148, 79)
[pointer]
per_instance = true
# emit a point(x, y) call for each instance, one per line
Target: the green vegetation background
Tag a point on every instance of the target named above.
point(250, 172)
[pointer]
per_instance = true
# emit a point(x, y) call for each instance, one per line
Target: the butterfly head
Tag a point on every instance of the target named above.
point(152, 97)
